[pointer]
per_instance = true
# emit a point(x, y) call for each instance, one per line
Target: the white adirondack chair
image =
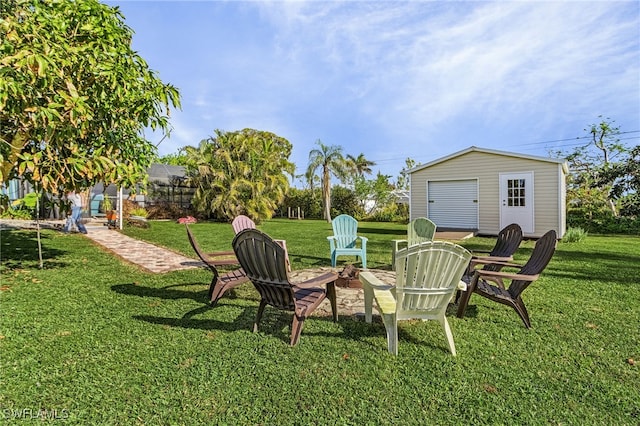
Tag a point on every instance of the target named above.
point(427, 276)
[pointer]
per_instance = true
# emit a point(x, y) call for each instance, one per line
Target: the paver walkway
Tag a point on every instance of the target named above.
point(147, 256)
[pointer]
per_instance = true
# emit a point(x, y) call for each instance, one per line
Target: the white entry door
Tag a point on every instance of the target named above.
point(516, 200)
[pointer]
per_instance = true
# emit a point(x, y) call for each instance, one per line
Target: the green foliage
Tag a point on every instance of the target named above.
point(574, 235)
point(177, 159)
point(139, 211)
point(75, 97)
point(4, 202)
point(403, 178)
point(308, 200)
point(107, 204)
point(22, 208)
point(345, 201)
point(133, 346)
point(242, 172)
point(17, 213)
point(604, 222)
point(603, 172)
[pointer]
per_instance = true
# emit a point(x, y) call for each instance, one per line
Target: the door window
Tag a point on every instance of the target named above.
point(516, 193)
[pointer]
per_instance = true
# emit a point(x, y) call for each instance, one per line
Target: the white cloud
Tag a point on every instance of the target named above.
point(385, 78)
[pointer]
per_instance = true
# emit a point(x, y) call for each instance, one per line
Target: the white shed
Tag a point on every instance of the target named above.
point(485, 190)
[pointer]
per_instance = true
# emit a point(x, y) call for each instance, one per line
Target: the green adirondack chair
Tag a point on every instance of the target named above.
point(419, 230)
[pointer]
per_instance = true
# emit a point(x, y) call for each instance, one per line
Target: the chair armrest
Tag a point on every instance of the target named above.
point(364, 241)
point(495, 258)
point(473, 252)
point(397, 243)
point(320, 280)
point(488, 261)
point(332, 242)
point(507, 275)
point(367, 278)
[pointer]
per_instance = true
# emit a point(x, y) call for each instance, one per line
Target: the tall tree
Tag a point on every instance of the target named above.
point(330, 158)
point(75, 97)
point(242, 172)
point(359, 165)
point(591, 181)
point(403, 179)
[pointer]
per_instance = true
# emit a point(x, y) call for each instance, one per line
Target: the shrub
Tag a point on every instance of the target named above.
point(139, 211)
point(574, 235)
point(345, 201)
point(165, 210)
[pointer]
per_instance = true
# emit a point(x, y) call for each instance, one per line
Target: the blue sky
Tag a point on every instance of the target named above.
point(419, 79)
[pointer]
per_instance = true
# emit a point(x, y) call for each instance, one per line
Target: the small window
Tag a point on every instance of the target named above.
point(516, 192)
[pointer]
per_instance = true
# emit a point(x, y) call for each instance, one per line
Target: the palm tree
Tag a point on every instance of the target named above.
point(332, 161)
point(359, 165)
point(240, 172)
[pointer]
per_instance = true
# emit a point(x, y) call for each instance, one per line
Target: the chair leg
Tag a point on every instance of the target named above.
point(364, 260)
point(393, 258)
point(263, 304)
point(216, 292)
point(296, 329)
point(463, 301)
point(333, 259)
point(368, 302)
point(331, 294)
point(447, 331)
point(391, 325)
point(519, 307)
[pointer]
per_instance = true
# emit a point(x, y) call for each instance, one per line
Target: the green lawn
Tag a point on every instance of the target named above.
point(97, 341)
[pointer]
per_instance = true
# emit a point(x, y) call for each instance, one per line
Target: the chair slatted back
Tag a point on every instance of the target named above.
point(345, 230)
point(538, 261)
point(509, 239)
point(242, 222)
point(427, 274)
point(264, 262)
point(420, 230)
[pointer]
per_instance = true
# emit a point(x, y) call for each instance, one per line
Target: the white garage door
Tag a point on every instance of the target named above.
point(453, 203)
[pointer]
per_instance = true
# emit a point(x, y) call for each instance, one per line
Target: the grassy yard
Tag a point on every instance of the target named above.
point(96, 341)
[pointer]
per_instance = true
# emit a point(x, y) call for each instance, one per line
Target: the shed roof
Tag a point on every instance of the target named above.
point(558, 161)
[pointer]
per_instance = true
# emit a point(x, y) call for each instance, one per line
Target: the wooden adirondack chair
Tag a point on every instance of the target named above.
point(419, 230)
point(428, 275)
point(512, 295)
point(508, 241)
point(220, 283)
point(264, 262)
point(243, 222)
point(344, 240)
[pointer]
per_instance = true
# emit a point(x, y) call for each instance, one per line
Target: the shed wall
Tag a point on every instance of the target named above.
point(549, 207)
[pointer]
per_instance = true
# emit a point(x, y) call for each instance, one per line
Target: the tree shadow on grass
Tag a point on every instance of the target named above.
point(169, 292)
point(274, 322)
point(20, 250)
point(364, 231)
point(356, 329)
